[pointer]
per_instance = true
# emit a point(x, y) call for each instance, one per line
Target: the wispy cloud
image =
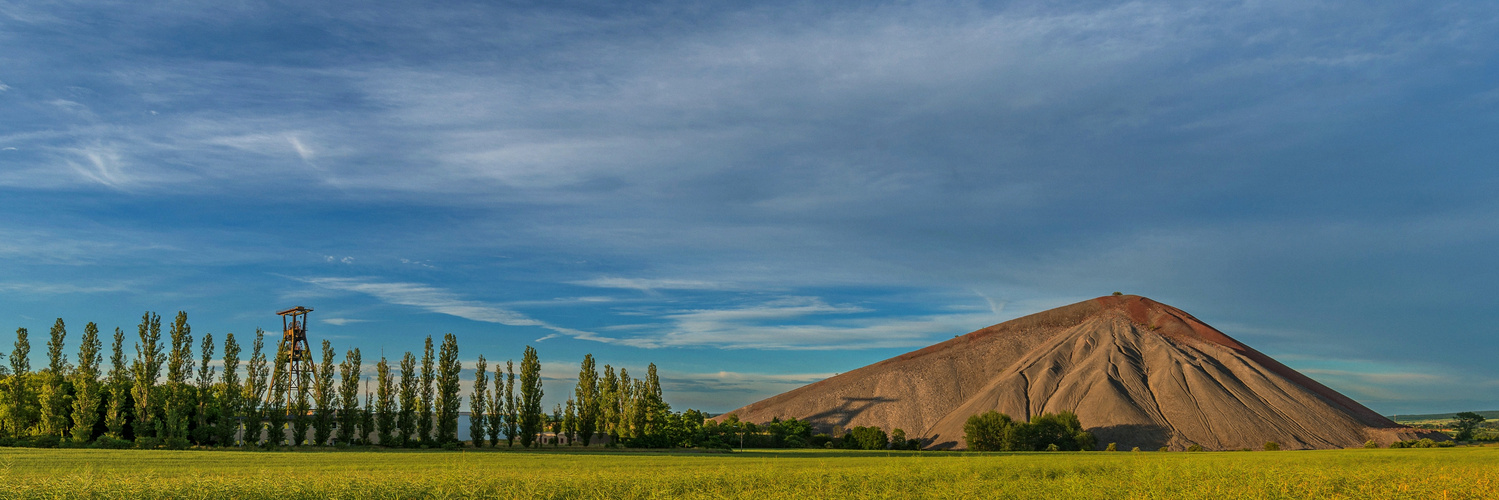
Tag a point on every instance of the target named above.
point(651, 285)
point(801, 323)
point(343, 321)
point(441, 301)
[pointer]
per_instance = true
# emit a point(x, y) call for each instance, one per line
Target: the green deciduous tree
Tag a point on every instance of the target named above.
point(229, 395)
point(119, 387)
point(179, 401)
point(512, 410)
point(429, 376)
point(570, 422)
point(207, 411)
point(144, 370)
point(19, 418)
point(478, 403)
point(530, 397)
point(53, 399)
point(256, 385)
point(448, 402)
point(1465, 423)
point(324, 398)
point(496, 411)
point(275, 406)
point(609, 405)
point(407, 418)
point(587, 397)
point(385, 406)
point(86, 385)
point(348, 396)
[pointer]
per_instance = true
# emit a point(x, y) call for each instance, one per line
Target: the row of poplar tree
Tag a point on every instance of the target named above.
point(207, 405)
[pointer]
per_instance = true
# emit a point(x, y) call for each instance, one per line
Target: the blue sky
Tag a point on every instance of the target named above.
point(756, 196)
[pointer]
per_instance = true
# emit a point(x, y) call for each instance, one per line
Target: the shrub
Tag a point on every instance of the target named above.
point(820, 440)
point(1052, 447)
point(1135, 449)
point(1116, 294)
point(1425, 443)
point(1112, 447)
point(45, 441)
point(146, 442)
point(1371, 444)
point(1398, 444)
point(1195, 447)
point(913, 444)
point(1163, 448)
point(1272, 446)
point(109, 443)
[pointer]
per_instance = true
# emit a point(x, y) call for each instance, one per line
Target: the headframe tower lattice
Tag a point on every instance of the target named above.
point(298, 366)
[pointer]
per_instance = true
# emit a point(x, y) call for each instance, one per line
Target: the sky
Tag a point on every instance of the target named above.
point(758, 195)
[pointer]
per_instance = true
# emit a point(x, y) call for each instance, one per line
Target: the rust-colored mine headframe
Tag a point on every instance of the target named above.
point(296, 365)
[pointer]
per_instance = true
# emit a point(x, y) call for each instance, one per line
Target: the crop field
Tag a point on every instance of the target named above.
point(1443, 473)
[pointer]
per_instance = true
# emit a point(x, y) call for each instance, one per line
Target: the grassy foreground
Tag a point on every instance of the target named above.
point(1449, 473)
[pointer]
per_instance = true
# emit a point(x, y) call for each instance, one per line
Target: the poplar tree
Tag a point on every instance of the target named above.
point(348, 392)
point(625, 405)
point(86, 385)
point(478, 403)
point(204, 433)
point(54, 398)
point(609, 405)
point(229, 396)
point(512, 411)
point(449, 403)
point(587, 397)
point(324, 398)
point(20, 397)
point(497, 413)
point(655, 407)
point(256, 384)
point(179, 370)
point(144, 369)
point(366, 417)
point(570, 422)
point(531, 416)
point(424, 419)
point(275, 407)
point(301, 420)
point(386, 403)
point(407, 421)
point(555, 424)
point(119, 387)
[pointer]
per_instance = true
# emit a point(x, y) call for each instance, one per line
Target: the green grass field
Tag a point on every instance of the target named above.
point(1444, 473)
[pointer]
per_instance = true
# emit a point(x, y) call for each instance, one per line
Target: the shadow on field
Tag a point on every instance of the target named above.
point(1147, 437)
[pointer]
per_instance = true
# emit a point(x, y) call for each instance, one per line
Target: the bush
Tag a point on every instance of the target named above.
point(1425, 443)
point(913, 444)
point(147, 443)
point(820, 440)
point(45, 441)
point(1195, 447)
point(1371, 444)
point(1053, 447)
point(994, 431)
point(1272, 446)
point(1163, 448)
point(1398, 444)
point(177, 443)
point(1135, 449)
point(109, 443)
point(1112, 447)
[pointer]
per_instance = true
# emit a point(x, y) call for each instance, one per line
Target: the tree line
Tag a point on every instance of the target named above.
point(416, 402)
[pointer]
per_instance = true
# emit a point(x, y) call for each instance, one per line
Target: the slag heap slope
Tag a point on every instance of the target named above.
point(1136, 372)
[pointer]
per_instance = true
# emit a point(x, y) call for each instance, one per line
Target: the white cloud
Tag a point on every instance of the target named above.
point(770, 325)
point(650, 285)
point(343, 321)
point(441, 301)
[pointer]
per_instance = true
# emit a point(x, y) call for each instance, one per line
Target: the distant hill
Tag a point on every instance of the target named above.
point(1491, 415)
point(1135, 371)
